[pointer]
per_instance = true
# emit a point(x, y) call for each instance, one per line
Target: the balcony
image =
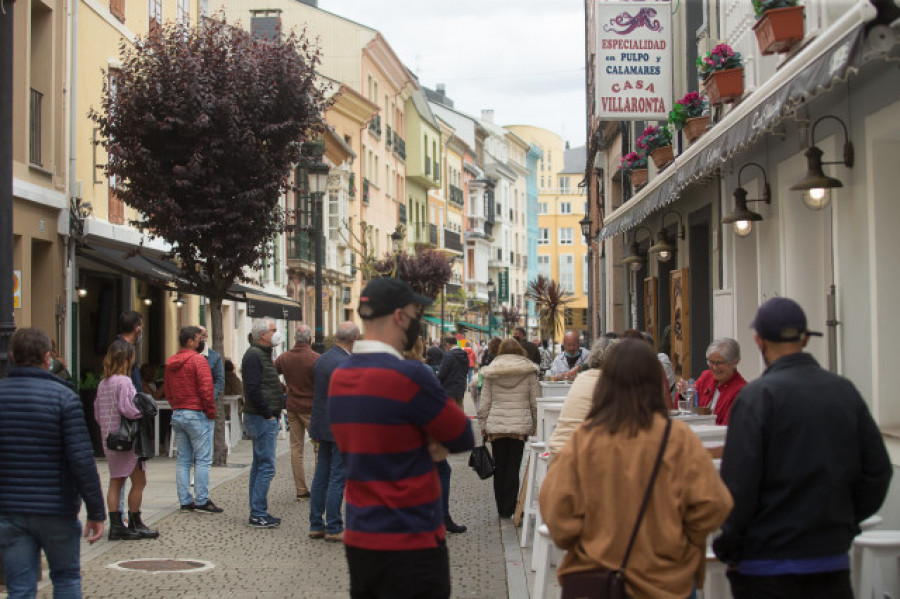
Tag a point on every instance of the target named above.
point(452, 289)
point(427, 166)
point(432, 235)
point(34, 127)
point(375, 126)
point(401, 216)
point(388, 137)
point(365, 193)
point(352, 185)
point(437, 170)
point(424, 234)
point(399, 146)
point(456, 196)
point(300, 247)
point(489, 228)
point(452, 240)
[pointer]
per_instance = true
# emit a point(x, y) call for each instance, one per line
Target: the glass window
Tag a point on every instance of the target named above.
point(543, 236)
point(542, 208)
point(183, 12)
point(563, 185)
point(543, 264)
point(565, 235)
point(567, 272)
point(565, 207)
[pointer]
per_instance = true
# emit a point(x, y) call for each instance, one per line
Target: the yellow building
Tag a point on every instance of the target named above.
point(562, 252)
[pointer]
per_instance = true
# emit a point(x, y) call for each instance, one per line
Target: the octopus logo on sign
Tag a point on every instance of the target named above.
point(644, 18)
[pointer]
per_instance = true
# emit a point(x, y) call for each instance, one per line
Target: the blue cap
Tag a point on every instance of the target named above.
point(781, 319)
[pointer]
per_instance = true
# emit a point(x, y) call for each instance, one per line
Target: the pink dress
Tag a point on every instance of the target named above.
point(115, 398)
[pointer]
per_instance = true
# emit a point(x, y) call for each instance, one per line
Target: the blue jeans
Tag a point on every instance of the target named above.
point(193, 437)
point(327, 490)
point(264, 433)
point(21, 541)
point(444, 471)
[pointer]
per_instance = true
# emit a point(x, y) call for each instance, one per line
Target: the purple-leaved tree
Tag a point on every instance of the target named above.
point(202, 126)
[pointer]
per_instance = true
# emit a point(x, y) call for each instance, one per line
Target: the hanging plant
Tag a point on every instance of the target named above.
point(633, 161)
point(691, 106)
point(721, 58)
point(654, 137)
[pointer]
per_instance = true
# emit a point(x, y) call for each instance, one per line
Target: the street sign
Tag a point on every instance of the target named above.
point(17, 289)
point(503, 286)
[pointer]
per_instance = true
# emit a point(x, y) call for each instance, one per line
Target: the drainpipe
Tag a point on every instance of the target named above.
point(72, 188)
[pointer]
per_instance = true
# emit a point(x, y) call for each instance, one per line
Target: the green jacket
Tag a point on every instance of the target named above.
point(263, 393)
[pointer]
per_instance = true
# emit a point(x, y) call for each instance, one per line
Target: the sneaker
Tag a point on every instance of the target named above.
point(453, 527)
point(208, 508)
point(337, 537)
point(264, 522)
point(317, 534)
point(188, 507)
point(275, 522)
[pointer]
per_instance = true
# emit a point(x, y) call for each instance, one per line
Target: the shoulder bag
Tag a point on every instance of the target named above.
point(122, 439)
point(610, 584)
point(481, 461)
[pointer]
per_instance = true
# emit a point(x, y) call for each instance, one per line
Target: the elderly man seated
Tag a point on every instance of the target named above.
point(568, 363)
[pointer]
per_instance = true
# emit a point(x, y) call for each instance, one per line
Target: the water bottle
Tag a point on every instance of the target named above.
point(690, 394)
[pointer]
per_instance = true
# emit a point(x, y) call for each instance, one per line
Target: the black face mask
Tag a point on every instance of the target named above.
point(412, 333)
point(201, 346)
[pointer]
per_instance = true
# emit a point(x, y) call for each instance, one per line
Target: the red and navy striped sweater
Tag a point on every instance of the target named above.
point(382, 410)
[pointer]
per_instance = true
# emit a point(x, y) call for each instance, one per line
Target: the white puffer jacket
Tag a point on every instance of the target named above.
point(508, 404)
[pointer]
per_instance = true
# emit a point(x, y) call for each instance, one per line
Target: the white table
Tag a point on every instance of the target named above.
point(234, 418)
point(555, 389)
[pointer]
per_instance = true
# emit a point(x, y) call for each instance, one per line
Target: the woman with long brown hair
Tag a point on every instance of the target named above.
point(591, 496)
point(115, 400)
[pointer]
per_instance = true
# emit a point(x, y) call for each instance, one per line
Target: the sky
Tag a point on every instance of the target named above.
point(523, 59)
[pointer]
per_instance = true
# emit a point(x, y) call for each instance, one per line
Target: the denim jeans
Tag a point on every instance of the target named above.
point(327, 490)
point(263, 433)
point(21, 541)
point(444, 471)
point(193, 437)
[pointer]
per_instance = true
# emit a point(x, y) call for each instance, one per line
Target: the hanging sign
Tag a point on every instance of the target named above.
point(633, 81)
point(17, 289)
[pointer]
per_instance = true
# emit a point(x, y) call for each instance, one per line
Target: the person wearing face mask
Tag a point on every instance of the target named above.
point(263, 396)
point(568, 363)
point(391, 421)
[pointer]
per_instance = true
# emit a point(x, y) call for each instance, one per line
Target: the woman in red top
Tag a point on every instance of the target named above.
point(718, 386)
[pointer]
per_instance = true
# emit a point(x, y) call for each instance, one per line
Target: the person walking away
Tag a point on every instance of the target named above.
point(263, 397)
point(296, 365)
point(325, 520)
point(718, 387)
point(189, 388)
point(434, 355)
point(593, 491)
point(47, 469)
point(391, 420)
point(217, 369)
point(473, 359)
point(805, 462)
point(568, 363)
point(508, 416)
point(580, 397)
point(452, 376)
point(531, 350)
point(115, 401)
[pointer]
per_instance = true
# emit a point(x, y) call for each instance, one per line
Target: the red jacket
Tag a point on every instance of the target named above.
point(706, 388)
point(189, 383)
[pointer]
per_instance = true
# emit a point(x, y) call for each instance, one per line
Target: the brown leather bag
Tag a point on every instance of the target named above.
point(600, 583)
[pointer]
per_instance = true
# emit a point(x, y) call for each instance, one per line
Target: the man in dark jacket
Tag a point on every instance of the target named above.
point(263, 400)
point(46, 468)
point(329, 479)
point(296, 366)
point(805, 464)
point(530, 348)
point(452, 374)
point(434, 355)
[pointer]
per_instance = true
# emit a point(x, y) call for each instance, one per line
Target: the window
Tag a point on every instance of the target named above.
point(565, 236)
point(568, 317)
point(543, 266)
point(543, 236)
point(542, 208)
point(565, 207)
point(183, 12)
point(563, 185)
point(542, 182)
point(155, 11)
point(567, 272)
point(117, 8)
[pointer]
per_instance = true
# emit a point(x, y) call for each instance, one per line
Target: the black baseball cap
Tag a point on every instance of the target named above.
point(384, 295)
point(781, 319)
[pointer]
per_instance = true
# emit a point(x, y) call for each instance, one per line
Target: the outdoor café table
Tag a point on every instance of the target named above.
point(161, 404)
point(555, 388)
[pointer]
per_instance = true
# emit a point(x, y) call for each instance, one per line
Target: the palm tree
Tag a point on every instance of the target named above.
point(551, 303)
point(510, 317)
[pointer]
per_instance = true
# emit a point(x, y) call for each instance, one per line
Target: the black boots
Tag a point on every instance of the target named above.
point(135, 524)
point(118, 531)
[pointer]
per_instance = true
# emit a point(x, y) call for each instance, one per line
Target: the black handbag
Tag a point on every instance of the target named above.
point(600, 583)
point(482, 462)
point(123, 439)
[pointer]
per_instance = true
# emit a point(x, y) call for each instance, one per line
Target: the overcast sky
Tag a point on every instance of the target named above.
point(524, 59)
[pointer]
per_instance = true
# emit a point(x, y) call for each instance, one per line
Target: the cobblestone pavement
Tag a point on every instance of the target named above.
point(281, 562)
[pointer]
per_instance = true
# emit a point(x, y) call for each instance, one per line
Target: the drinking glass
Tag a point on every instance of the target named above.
point(684, 407)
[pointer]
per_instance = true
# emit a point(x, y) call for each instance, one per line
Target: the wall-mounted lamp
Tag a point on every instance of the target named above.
point(742, 218)
point(665, 249)
point(179, 300)
point(633, 259)
point(148, 301)
point(82, 289)
point(586, 229)
point(816, 183)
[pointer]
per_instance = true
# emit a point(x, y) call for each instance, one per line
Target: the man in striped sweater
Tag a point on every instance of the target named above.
point(391, 421)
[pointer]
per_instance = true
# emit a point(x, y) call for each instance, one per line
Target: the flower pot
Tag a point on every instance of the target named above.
point(779, 29)
point(638, 177)
point(695, 127)
point(662, 156)
point(724, 87)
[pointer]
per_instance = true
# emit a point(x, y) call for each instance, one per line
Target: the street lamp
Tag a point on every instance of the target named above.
point(317, 180)
point(586, 232)
point(443, 293)
point(7, 321)
point(490, 286)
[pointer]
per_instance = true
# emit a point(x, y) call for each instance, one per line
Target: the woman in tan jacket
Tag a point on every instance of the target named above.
point(592, 494)
point(508, 415)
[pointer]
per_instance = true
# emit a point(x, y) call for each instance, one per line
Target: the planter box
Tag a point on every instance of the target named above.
point(724, 87)
point(662, 156)
point(779, 30)
point(638, 177)
point(695, 127)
